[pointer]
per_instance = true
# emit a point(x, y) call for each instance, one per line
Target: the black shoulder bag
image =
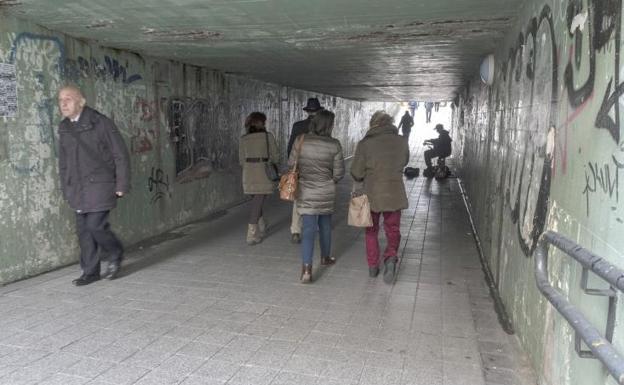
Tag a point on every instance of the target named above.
point(270, 168)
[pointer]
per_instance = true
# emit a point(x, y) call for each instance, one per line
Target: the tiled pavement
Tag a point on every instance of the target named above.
point(204, 308)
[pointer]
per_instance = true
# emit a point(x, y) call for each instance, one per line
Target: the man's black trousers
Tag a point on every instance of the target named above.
point(94, 232)
point(433, 153)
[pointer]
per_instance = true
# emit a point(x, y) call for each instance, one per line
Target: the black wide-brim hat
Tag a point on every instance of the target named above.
point(313, 105)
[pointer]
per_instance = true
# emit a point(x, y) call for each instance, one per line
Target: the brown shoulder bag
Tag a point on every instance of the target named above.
point(289, 181)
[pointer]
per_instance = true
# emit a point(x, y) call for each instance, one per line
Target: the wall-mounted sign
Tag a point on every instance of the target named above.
point(8, 90)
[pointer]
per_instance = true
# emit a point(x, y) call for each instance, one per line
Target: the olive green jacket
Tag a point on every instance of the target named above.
point(254, 147)
point(379, 161)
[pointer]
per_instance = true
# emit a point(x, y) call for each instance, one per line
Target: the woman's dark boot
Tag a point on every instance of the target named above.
point(389, 269)
point(306, 273)
point(325, 261)
point(262, 227)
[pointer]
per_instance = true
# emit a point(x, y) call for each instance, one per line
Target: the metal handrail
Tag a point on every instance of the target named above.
point(600, 347)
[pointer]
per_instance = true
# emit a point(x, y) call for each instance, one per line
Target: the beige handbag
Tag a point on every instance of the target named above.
point(359, 212)
point(289, 182)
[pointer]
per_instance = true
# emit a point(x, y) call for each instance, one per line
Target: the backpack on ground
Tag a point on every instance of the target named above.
point(411, 172)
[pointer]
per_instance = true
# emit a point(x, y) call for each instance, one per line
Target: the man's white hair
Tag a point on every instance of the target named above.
point(76, 91)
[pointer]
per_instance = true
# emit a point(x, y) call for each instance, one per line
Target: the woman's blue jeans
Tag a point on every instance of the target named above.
point(310, 224)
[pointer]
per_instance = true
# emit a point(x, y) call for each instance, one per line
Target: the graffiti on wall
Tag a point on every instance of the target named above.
point(602, 35)
point(142, 139)
point(158, 185)
point(603, 19)
point(604, 180)
point(143, 133)
point(528, 78)
point(109, 69)
point(35, 137)
point(32, 47)
point(526, 104)
point(146, 109)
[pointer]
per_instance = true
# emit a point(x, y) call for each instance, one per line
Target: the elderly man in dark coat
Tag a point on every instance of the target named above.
point(301, 127)
point(94, 173)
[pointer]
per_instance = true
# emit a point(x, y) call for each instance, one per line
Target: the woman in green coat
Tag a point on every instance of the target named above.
point(378, 162)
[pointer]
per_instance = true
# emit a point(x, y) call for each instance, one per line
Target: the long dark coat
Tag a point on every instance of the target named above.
point(300, 127)
point(93, 162)
point(442, 144)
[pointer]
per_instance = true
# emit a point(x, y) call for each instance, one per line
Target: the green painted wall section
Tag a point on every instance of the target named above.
point(180, 122)
point(541, 149)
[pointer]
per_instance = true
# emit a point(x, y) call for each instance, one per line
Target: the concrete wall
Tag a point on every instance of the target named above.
point(180, 122)
point(541, 149)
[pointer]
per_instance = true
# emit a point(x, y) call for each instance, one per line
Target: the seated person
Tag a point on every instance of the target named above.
point(441, 146)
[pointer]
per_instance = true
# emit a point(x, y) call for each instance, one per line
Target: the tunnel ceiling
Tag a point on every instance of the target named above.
point(380, 50)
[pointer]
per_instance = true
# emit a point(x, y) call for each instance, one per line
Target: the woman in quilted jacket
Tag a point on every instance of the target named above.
point(321, 166)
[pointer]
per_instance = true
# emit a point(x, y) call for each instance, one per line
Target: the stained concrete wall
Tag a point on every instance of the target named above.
point(180, 122)
point(541, 149)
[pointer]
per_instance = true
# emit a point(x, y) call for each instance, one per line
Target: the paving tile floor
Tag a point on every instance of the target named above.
point(202, 307)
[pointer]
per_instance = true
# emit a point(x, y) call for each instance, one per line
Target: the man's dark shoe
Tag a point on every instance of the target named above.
point(85, 280)
point(112, 271)
point(389, 270)
point(373, 271)
point(295, 238)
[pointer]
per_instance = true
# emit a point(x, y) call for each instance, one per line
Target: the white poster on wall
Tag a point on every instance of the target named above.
point(8, 90)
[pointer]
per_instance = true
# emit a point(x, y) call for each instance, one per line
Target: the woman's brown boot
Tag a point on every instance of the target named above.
point(306, 273)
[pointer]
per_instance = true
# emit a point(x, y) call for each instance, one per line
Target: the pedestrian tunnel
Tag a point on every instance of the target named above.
point(530, 92)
